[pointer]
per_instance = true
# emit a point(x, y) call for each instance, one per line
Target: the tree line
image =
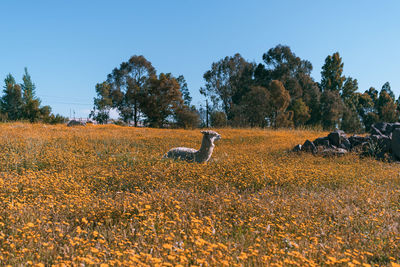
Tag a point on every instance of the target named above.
point(279, 92)
point(20, 103)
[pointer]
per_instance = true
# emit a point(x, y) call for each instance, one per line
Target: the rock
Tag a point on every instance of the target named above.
point(375, 131)
point(395, 125)
point(384, 144)
point(297, 148)
point(356, 140)
point(383, 127)
point(346, 143)
point(395, 144)
point(322, 141)
point(334, 152)
point(336, 137)
point(75, 123)
point(309, 146)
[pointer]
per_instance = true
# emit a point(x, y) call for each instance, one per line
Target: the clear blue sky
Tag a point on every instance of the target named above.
point(69, 46)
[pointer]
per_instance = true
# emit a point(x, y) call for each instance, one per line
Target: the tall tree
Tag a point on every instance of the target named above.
point(256, 106)
point(387, 108)
point(127, 83)
point(11, 101)
point(283, 65)
point(386, 87)
point(331, 75)
point(160, 98)
point(31, 104)
point(331, 109)
point(301, 112)
point(279, 101)
point(9, 80)
point(102, 103)
point(349, 88)
point(187, 99)
point(28, 87)
point(228, 81)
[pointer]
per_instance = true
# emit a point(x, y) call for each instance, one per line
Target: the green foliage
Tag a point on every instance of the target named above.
point(387, 109)
point(126, 86)
point(11, 102)
point(301, 112)
point(331, 109)
point(186, 117)
point(331, 75)
point(218, 119)
point(20, 103)
point(283, 65)
point(350, 121)
point(187, 99)
point(280, 100)
point(256, 106)
point(160, 98)
point(102, 103)
point(228, 81)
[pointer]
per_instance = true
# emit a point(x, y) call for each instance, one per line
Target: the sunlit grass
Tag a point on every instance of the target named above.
point(102, 195)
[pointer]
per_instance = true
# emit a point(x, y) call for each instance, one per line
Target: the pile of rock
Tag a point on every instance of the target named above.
point(383, 142)
point(75, 123)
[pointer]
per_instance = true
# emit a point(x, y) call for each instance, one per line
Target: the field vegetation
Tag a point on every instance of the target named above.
point(102, 195)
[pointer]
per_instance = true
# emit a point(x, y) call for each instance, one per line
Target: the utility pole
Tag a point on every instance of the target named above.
point(207, 112)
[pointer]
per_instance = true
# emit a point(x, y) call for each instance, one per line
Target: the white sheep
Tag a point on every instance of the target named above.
point(193, 155)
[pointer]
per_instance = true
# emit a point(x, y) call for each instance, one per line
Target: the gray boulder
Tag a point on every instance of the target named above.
point(395, 144)
point(322, 141)
point(75, 123)
point(357, 140)
point(383, 127)
point(297, 148)
point(375, 131)
point(309, 147)
point(335, 137)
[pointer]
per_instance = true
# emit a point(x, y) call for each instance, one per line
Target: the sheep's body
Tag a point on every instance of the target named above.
point(193, 155)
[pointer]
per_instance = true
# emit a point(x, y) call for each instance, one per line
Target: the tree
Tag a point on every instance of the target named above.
point(312, 99)
point(279, 101)
point(349, 88)
point(331, 75)
point(331, 109)
point(301, 112)
point(218, 119)
point(30, 104)
point(386, 87)
point(228, 81)
point(365, 108)
point(187, 99)
point(387, 109)
point(160, 98)
point(28, 87)
point(9, 80)
point(127, 83)
point(102, 103)
point(256, 106)
point(283, 65)
point(350, 120)
point(186, 117)
point(11, 101)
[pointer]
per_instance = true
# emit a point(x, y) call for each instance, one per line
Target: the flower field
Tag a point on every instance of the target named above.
point(102, 195)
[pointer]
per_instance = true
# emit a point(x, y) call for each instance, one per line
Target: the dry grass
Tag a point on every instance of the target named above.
point(102, 195)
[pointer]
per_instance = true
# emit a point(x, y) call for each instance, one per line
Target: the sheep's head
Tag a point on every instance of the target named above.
point(211, 135)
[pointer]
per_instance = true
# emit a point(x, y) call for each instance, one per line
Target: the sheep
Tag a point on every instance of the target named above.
point(192, 155)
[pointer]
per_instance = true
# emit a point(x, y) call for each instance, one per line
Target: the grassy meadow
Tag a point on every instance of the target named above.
point(102, 195)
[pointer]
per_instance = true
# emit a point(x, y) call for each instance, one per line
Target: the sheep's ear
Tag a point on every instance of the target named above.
point(203, 132)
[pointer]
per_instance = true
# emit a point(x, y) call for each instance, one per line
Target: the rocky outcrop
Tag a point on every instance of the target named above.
point(383, 142)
